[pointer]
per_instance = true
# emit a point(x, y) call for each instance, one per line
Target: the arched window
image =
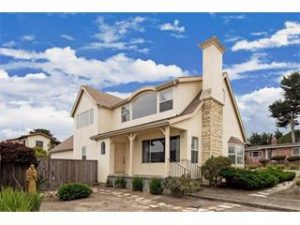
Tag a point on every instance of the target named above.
point(103, 148)
point(144, 105)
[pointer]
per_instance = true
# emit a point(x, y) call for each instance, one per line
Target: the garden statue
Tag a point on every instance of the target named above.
point(31, 177)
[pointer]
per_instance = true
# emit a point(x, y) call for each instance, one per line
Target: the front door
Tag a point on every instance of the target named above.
point(119, 158)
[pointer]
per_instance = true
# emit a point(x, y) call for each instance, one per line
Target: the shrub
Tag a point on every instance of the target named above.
point(247, 179)
point(40, 152)
point(73, 191)
point(293, 167)
point(108, 183)
point(298, 183)
point(280, 174)
point(253, 166)
point(155, 186)
point(264, 162)
point(278, 157)
point(137, 184)
point(212, 168)
point(120, 182)
point(293, 158)
point(12, 200)
point(178, 186)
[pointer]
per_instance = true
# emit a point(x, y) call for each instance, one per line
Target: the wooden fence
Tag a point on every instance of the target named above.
point(51, 173)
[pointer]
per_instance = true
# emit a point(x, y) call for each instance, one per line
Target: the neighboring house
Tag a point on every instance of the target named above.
point(159, 130)
point(254, 153)
point(64, 150)
point(35, 139)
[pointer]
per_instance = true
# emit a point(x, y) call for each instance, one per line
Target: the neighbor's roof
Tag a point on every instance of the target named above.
point(234, 140)
point(66, 145)
point(263, 147)
point(32, 134)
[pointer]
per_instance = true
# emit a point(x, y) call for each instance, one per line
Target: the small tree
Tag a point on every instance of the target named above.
point(40, 152)
point(287, 111)
point(212, 168)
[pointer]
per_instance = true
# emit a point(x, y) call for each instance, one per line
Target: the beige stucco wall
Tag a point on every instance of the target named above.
point(62, 155)
point(30, 141)
point(231, 126)
point(82, 135)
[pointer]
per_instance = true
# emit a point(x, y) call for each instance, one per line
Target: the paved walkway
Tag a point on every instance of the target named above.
point(259, 199)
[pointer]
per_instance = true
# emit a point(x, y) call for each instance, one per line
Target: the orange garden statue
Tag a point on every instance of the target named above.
point(31, 177)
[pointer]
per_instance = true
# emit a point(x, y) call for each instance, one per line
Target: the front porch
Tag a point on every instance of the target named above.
point(160, 151)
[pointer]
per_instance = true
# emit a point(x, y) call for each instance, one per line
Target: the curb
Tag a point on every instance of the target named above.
point(252, 204)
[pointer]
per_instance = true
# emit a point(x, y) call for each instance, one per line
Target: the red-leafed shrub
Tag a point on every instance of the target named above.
point(17, 153)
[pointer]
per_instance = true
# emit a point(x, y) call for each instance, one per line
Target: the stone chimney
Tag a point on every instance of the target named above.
point(213, 99)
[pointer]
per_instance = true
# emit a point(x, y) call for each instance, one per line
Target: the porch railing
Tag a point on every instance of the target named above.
point(177, 170)
point(194, 169)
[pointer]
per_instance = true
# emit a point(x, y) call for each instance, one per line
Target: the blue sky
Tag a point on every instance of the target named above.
point(44, 58)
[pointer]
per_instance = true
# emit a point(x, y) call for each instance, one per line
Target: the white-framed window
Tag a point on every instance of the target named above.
point(144, 105)
point(39, 144)
point(255, 154)
point(125, 113)
point(83, 152)
point(296, 151)
point(85, 118)
point(194, 149)
point(91, 116)
point(236, 153)
point(165, 100)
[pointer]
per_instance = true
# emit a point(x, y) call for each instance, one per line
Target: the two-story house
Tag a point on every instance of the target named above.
point(158, 131)
point(35, 139)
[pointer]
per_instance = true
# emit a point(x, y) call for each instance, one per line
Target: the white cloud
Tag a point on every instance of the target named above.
point(257, 63)
point(28, 37)
point(174, 27)
point(113, 35)
point(67, 37)
point(232, 38)
point(262, 33)
point(44, 99)
point(289, 35)
point(9, 44)
point(227, 19)
point(254, 107)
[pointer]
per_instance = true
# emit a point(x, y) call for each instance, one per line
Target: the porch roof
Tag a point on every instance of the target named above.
point(141, 127)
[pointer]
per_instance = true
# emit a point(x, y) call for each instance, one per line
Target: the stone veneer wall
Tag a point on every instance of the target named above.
point(212, 129)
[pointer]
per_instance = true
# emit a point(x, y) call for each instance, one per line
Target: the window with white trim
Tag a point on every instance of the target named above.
point(153, 151)
point(236, 153)
point(85, 118)
point(125, 113)
point(296, 151)
point(83, 152)
point(165, 100)
point(194, 149)
point(39, 144)
point(255, 154)
point(144, 105)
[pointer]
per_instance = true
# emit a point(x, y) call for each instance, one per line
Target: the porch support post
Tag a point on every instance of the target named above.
point(131, 138)
point(166, 132)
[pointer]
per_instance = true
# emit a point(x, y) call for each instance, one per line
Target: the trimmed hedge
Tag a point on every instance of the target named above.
point(293, 158)
point(249, 180)
point(73, 191)
point(278, 157)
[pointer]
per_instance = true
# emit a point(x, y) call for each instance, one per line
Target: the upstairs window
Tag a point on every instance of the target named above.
point(125, 113)
point(39, 144)
point(165, 100)
point(86, 118)
point(144, 105)
point(194, 149)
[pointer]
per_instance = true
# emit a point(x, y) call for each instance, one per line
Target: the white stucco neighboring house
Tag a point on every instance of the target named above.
point(163, 130)
point(35, 139)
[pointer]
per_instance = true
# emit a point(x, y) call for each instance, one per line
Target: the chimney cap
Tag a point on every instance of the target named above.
point(213, 40)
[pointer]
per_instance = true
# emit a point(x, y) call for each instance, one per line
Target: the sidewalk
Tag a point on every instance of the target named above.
point(240, 197)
